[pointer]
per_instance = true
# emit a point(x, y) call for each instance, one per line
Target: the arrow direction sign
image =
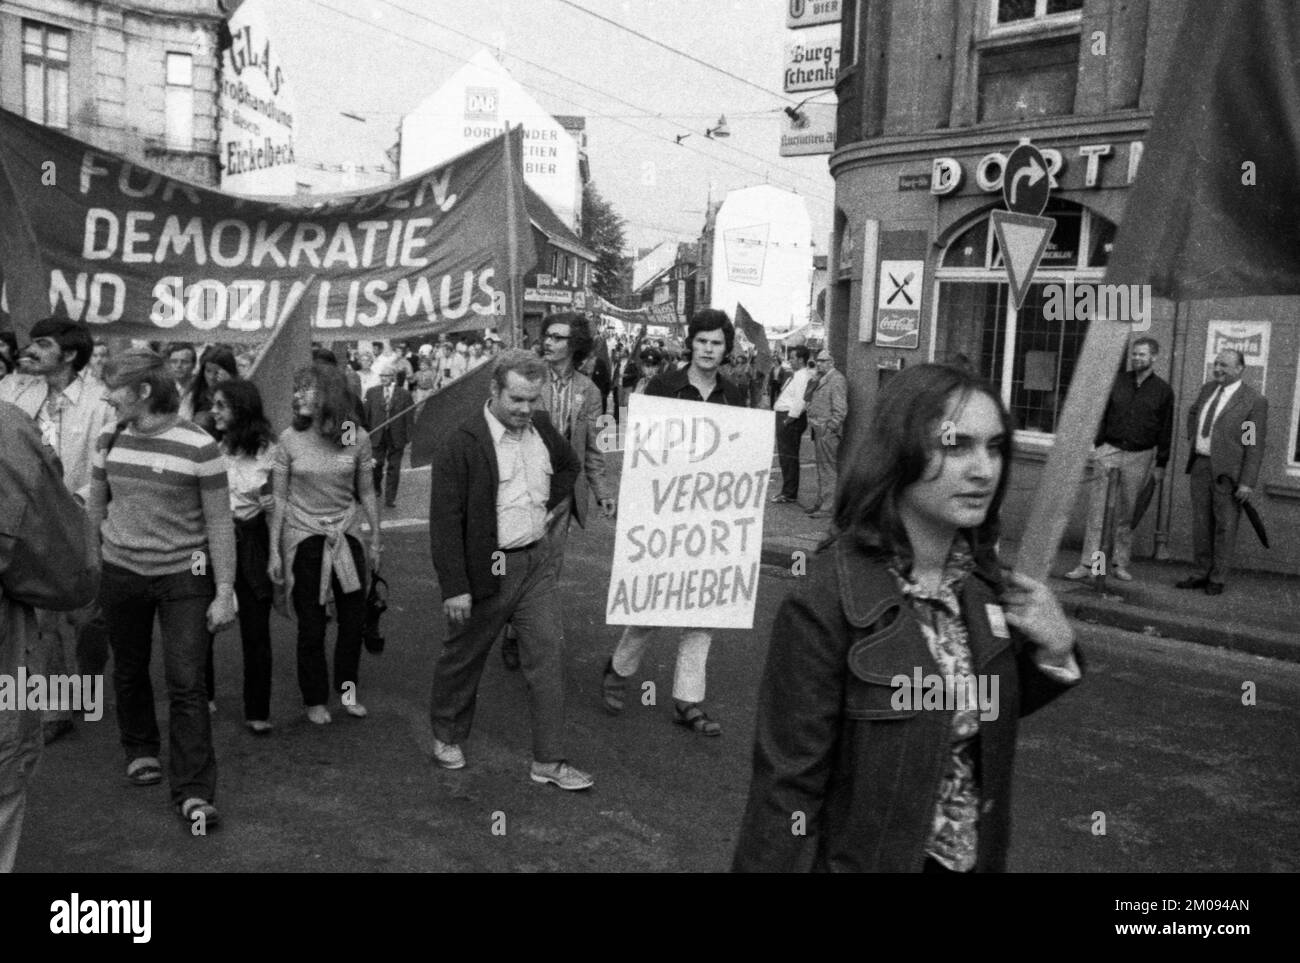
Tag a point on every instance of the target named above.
point(1025, 182)
point(1023, 239)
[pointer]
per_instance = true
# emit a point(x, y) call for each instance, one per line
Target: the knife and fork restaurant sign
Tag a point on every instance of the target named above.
point(98, 238)
point(898, 305)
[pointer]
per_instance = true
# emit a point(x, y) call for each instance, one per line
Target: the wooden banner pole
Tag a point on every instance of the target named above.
point(1084, 406)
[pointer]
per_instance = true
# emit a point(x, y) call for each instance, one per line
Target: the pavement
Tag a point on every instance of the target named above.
point(1159, 741)
point(1257, 614)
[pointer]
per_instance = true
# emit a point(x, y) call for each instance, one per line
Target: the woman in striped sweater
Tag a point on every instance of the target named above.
point(158, 499)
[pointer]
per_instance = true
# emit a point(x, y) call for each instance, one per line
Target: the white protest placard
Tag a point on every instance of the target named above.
point(690, 520)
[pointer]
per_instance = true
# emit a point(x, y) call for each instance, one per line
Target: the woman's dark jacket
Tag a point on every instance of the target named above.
point(829, 745)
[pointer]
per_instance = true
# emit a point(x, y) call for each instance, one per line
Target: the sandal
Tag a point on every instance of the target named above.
point(693, 716)
point(612, 689)
point(145, 771)
point(194, 807)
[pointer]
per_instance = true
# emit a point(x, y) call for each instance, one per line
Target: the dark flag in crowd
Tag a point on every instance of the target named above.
point(23, 300)
point(287, 351)
point(445, 409)
point(756, 335)
point(1214, 210)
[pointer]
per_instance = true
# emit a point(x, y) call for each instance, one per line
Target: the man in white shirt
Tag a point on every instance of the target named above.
point(56, 391)
point(1226, 429)
point(498, 480)
point(791, 420)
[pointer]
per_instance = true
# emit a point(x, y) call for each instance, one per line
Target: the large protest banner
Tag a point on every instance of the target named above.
point(102, 239)
point(690, 521)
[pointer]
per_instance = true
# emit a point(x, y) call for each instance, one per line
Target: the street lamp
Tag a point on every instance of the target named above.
point(717, 132)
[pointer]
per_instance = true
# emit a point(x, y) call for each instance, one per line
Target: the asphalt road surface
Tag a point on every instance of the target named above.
point(1157, 739)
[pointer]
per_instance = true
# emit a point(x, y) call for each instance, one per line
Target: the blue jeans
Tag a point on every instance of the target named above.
point(181, 602)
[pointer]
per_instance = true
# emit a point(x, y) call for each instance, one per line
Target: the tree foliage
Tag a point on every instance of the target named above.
point(602, 231)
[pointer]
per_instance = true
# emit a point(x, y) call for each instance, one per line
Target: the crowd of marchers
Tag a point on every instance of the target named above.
point(190, 508)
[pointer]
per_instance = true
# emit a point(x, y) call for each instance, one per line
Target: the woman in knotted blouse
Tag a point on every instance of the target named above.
point(897, 672)
point(321, 482)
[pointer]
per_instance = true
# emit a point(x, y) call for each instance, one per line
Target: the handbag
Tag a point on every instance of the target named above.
point(376, 606)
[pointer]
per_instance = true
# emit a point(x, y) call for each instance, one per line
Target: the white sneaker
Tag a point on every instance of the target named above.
point(356, 710)
point(448, 754)
point(1122, 574)
point(318, 714)
point(1077, 573)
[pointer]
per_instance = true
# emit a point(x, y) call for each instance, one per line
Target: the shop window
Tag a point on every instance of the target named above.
point(1029, 358)
point(180, 101)
point(45, 74)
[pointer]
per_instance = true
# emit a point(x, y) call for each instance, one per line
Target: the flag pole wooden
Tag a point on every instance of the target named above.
point(514, 286)
point(1085, 404)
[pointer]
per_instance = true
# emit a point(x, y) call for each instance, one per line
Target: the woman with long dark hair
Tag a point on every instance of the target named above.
point(896, 674)
point(218, 365)
point(244, 437)
point(322, 485)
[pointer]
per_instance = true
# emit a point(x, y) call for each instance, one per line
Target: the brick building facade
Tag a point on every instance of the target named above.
point(932, 97)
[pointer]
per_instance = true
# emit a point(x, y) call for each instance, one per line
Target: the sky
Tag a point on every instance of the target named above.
point(378, 59)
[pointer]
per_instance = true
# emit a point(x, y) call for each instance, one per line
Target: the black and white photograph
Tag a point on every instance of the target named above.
point(737, 397)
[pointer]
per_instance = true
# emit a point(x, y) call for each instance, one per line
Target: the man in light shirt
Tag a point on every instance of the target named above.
point(70, 410)
point(1225, 428)
point(498, 480)
point(791, 420)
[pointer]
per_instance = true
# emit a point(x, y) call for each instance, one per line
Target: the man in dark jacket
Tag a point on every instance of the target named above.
point(47, 559)
point(498, 480)
point(1226, 430)
point(386, 401)
point(710, 338)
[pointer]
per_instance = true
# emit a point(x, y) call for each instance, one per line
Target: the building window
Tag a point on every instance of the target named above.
point(1031, 80)
point(1021, 13)
point(1030, 358)
point(45, 74)
point(180, 101)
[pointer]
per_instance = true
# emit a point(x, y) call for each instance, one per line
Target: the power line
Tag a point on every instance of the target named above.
point(603, 93)
point(672, 49)
point(590, 111)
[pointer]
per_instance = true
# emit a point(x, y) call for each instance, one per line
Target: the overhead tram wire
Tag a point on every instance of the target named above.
point(604, 93)
point(681, 53)
point(590, 111)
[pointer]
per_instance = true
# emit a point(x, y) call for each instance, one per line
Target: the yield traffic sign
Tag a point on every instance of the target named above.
point(1023, 239)
point(1025, 181)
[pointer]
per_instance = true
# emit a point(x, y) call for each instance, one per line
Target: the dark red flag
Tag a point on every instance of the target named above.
point(1214, 210)
point(446, 408)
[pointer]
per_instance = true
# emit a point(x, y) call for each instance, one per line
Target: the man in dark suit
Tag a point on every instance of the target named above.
point(1226, 430)
point(499, 481)
point(384, 401)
